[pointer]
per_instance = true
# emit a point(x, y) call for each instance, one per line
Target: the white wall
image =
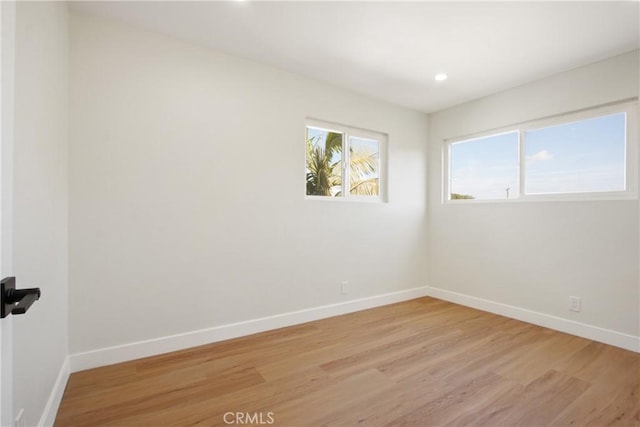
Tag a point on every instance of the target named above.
point(40, 203)
point(187, 204)
point(535, 255)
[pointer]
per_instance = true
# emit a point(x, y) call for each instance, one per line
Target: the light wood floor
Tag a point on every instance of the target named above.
point(423, 362)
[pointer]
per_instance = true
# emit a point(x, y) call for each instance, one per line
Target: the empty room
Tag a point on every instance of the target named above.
point(319, 213)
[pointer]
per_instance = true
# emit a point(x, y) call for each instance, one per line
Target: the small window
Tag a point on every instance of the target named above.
point(343, 162)
point(590, 154)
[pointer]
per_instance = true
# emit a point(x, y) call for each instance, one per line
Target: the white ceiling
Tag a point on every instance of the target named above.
point(392, 50)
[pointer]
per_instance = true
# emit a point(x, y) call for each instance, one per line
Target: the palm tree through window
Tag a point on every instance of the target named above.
point(342, 164)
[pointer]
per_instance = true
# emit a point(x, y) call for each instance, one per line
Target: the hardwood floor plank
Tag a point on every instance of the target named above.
point(252, 399)
point(552, 351)
point(391, 350)
point(388, 404)
point(307, 410)
point(537, 404)
point(148, 396)
point(600, 406)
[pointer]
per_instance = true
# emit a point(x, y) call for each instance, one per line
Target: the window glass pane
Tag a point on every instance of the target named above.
point(364, 167)
point(485, 168)
point(324, 163)
point(580, 157)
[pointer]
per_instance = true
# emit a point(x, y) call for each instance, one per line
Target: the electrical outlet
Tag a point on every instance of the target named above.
point(575, 303)
point(344, 288)
point(19, 421)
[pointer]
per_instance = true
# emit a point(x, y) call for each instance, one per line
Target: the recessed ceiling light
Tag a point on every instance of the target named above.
point(440, 77)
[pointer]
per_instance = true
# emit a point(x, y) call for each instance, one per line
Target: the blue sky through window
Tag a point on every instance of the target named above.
point(486, 168)
point(579, 157)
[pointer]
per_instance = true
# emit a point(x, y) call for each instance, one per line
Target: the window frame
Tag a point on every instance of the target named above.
point(348, 132)
point(630, 108)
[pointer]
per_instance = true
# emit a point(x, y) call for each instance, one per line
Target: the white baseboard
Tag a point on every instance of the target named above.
point(51, 408)
point(137, 350)
point(607, 336)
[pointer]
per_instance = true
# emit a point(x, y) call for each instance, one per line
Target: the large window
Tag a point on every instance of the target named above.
point(591, 154)
point(343, 162)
